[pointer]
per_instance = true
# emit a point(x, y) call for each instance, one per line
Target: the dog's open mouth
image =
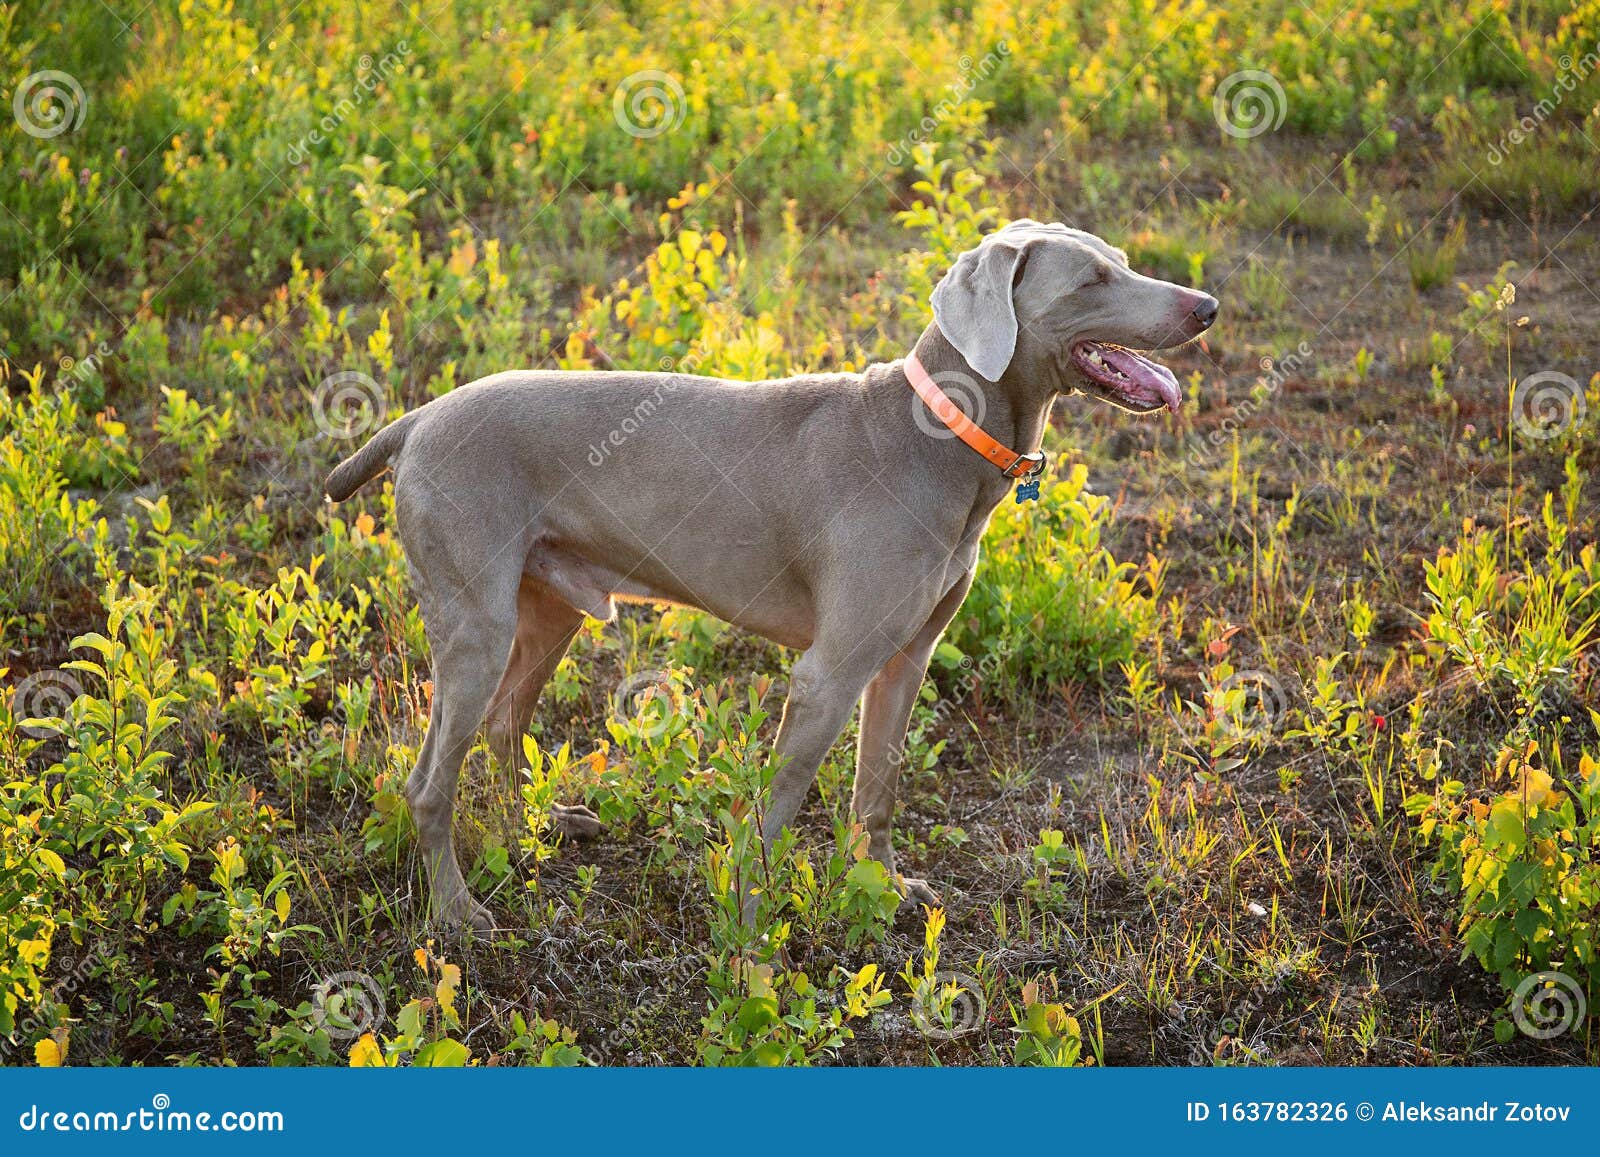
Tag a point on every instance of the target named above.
point(1125, 378)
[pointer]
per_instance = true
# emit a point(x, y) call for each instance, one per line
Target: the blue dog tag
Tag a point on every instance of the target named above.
point(1027, 491)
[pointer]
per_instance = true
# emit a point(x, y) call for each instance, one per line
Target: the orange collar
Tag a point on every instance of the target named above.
point(1011, 463)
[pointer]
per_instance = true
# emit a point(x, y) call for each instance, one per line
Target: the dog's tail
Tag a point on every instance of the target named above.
point(369, 461)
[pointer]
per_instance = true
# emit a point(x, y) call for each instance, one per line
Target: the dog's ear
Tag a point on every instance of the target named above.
point(972, 303)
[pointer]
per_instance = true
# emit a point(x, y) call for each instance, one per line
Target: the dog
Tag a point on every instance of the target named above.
point(837, 514)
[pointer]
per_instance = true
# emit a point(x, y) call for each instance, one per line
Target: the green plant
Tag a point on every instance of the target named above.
point(39, 518)
point(1049, 600)
point(1048, 1035)
point(1484, 302)
point(854, 890)
point(763, 1016)
point(936, 994)
point(1525, 863)
point(1523, 631)
point(547, 1044)
point(181, 270)
point(1051, 858)
point(1432, 263)
point(424, 1024)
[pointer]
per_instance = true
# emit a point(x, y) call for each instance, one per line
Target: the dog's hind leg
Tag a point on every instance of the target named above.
point(470, 626)
point(546, 625)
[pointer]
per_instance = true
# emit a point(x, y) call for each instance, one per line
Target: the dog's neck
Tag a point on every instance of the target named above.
point(1015, 409)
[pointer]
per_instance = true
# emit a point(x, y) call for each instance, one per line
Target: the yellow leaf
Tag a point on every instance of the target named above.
point(1536, 786)
point(421, 957)
point(365, 1053)
point(464, 258)
point(281, 905)
point(859, 842)
point(35, 952)
point(50, 1053)
point(364, 524)
point(719, 243)
point(1502, 761)
point(759, 977)
point(445, 990)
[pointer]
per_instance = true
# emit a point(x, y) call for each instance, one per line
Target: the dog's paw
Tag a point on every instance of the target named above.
point(480, 922)
point(469, 916)
point(915, 893)
point(575, 821)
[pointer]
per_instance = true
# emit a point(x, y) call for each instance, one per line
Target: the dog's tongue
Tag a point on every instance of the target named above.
point(1144, 382)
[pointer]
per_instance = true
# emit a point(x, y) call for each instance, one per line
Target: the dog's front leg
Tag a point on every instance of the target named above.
point(823, 686)
point(885, 714)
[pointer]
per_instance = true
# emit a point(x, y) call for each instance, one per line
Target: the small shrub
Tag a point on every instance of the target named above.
point(1048, 598)
point(1523, 856)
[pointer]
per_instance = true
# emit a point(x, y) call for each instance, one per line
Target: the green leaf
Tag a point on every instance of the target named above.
point(1522, 881)
point(442, 1054)
point(1505, 826)
point(757, 1013)
point(1529, 923)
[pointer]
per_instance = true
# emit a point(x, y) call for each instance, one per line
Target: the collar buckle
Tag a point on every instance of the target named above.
point(1026, 466)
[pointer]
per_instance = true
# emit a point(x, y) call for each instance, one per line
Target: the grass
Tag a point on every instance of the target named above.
point(1432, 262)
point(1264, 738)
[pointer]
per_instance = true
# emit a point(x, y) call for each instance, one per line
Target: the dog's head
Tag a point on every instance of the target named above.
point(1046, 299)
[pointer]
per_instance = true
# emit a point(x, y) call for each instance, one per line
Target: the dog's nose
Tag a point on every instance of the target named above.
point(1206, 312)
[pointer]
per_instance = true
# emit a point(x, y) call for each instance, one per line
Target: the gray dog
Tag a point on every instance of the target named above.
point(838, 514)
